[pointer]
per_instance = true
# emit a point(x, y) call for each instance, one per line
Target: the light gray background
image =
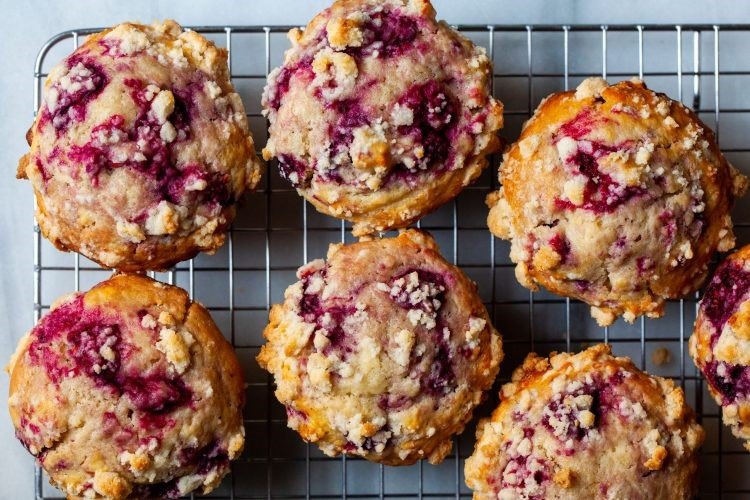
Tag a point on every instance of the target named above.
point(25, 26)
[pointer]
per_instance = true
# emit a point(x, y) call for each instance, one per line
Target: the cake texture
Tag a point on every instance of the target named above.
point(140, 149)
point(586, 425)
point(128, 391)
point(382, 351)
point(617, 196)
point(720, 344)
point(379, 113)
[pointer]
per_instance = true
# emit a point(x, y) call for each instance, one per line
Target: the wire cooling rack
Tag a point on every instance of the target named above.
point(276, 231)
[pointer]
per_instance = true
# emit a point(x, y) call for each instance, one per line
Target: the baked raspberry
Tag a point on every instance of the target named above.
point(69, 97)
point(390, 347)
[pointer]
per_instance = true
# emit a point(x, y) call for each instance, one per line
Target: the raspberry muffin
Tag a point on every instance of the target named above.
point(720, 344)
point(588, 425)
point(383, 351)
point(128, 390)
point(380, 113)
point(140, 149)
point(617, 196)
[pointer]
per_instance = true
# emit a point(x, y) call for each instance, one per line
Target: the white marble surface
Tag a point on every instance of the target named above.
point(26, 25)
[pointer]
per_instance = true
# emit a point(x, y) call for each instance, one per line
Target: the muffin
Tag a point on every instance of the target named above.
point(383, 351)
point(617, 196)
point(720, 344)
point(588, 425)
point(140, 149)
point(380, 113)
point(128, 390)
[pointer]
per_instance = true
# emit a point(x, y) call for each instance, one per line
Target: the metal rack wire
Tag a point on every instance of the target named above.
point(276, 232)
